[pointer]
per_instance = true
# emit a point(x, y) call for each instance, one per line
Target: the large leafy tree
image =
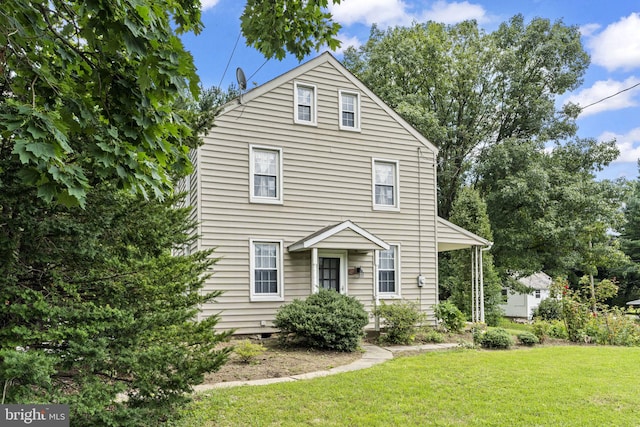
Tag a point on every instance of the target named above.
point(89, 88)
point(467, 90)
point(629, 274)
point(546, 209)
point(97, 109)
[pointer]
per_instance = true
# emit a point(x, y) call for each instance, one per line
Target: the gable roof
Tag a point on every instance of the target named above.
point(363, 239)
point(452, 237)
point(325, 57)
point(539, 280)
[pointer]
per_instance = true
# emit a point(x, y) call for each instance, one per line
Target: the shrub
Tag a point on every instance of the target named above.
point(325, 320)
point(248, 351)
point(549, 309)
point(541, 329)
point(558, 330)
point(451, 318)
point(496, 338)
point(528, 338)
point(430, 335)
point(399, 321)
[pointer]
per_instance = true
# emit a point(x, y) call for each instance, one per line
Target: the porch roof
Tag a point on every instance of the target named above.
point(452, 237)
point(345, 235)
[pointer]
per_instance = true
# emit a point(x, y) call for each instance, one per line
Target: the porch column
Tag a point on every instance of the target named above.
point(314, 270)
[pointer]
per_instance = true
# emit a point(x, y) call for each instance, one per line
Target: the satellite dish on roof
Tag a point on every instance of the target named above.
point(242, 80)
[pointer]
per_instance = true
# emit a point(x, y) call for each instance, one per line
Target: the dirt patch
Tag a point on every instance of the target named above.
point(278, 361)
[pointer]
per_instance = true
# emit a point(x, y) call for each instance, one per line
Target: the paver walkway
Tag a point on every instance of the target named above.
point(372, 355)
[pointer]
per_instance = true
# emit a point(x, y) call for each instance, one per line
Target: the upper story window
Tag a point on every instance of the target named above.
point(266, 270)
point(305, 104)
point(537, 292)
point(266, 174)
point(388, 277)
point(349, 110)
point(385, 184)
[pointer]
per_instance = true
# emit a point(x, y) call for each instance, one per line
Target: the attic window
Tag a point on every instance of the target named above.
point(349, 110)
point(305, 104)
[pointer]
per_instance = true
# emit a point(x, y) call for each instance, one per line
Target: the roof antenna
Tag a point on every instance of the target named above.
point(242, 81)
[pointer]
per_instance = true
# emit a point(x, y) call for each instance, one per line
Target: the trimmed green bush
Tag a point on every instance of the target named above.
point(528, 338)
point(248, 351)
point(449, 316)
point(325, 320)
point(496, 338)
point(549, 309)
point(399, 321)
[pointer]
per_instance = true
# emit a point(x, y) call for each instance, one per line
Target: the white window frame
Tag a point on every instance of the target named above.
point(279, 179)
point(356, 106)
point(396, 188)
point(279, 295)
point(314, 104)
point(397, 293)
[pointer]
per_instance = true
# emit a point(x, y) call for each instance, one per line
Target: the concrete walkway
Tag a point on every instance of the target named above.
point(372, 355)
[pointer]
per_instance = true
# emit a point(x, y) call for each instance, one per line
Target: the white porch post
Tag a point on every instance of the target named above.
point(481, 284)
point(314, 270)
point(473, 284)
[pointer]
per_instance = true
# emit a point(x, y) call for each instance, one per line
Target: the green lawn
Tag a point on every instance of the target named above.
point(545, 386)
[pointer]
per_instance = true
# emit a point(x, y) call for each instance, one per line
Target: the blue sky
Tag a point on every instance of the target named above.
point(610, 33)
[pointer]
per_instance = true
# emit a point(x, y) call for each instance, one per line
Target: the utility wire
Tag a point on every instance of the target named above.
point(229, 61)
point(610, 96)
point(259, 68)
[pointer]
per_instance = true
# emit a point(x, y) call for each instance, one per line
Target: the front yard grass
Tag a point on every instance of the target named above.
point(541, 386)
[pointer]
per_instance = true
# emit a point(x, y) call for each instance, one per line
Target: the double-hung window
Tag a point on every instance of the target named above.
point(266, 174)
point(266, 270)
point(349, 110)
point(385, 184)
point(305, 104)
point(388, 277)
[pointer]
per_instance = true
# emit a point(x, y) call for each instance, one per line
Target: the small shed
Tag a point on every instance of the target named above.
point(521, 306)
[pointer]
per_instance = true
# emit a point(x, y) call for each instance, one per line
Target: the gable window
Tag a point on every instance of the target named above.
point(305, 104)
point(266, 271)
point(349, 110)
point(537, 293)
point(388, 277)
point(266, 174)
point(385, 184)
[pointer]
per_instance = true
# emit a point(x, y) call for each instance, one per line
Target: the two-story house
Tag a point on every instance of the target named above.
point(310, 181)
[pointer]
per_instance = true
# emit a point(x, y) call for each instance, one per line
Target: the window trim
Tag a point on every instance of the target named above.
point(398, 292)
point(396, 189)
point(277, 296)
point(279, 199)
point(356, 118)
point(314, 104)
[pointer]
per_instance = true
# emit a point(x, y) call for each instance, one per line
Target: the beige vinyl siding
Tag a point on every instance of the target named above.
point(327, 179)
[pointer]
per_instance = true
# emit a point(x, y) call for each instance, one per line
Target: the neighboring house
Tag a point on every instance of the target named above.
point(310, 181)
point(521, 306)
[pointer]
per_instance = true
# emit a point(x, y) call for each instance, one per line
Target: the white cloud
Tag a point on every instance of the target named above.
point(346, 42)
point(387, 13)
point(589, 30)
point(451, 13)
point(628, 144)
point(618, 45)
point(208, 4)
point(604, 88)
point(382, 12)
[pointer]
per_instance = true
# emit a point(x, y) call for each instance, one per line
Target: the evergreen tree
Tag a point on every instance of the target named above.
point(470, 212)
